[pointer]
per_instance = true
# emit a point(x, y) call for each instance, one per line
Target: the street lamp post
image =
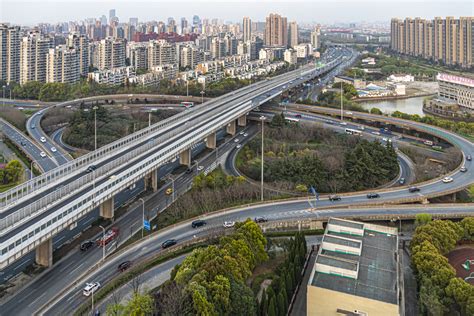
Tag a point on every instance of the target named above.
point(95, 127)
point(187, 87)
point(262, 119)
point(202, 97)
point(103, 243)
point(342, 107)
point(143, 216)
point(93, 302)
point(31, 169)
point(149, 119)
point(3, 95)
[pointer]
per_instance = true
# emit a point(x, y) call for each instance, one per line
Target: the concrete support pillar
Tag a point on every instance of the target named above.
point(185, 157)
point(425, 201)
point(107, 208)
point(211, 141)
point(454, 197)
point(230, 128)
point(151, 180)
point(44, 253)
point(242, 120)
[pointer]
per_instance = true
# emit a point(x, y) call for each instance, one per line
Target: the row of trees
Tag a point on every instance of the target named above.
point(392, 65)
point(440, 291)
point(311, 156)
point(277, 297)
point(458, 127)
point(212, 280)
point(215, 180)
point(11, 172)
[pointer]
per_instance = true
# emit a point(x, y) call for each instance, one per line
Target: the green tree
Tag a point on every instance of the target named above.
point(14, 171)
point(115, 309)
point(139, 304)
point(242, 300)
point(376, 111)
point(272, 309)
point(422, 219)
point(281, 304)
point(467, 225)
point(460, 291)
point(263, 304)
point(278, 120)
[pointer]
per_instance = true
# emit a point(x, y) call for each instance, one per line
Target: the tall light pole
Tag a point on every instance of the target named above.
point(103, 242)
point(187, 87)
point(31, 169)
point(202, 97)
point(95, 127)
point(93, 301)
point(143, 216)
point(149, 119)
point(262, 119)
point(3, 95)
point(342, 109)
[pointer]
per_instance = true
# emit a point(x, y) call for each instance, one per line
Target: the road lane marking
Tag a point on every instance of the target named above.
point(77, 267)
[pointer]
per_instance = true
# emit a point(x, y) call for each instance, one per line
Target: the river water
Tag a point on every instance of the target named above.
point(411, 105)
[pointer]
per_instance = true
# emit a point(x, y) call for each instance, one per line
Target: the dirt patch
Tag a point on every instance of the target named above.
point(458, 256)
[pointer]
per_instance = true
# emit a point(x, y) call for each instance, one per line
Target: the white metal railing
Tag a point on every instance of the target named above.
point(64, 192)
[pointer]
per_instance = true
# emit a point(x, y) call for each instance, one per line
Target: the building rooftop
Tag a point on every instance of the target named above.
point(376, 266)
point(345, 223)
point(341, 241)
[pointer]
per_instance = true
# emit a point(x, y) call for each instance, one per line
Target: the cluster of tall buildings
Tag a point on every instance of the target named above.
point(65, 52)
point(447, 40)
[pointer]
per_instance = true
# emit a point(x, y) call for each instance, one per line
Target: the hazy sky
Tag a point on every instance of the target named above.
point(29, 12)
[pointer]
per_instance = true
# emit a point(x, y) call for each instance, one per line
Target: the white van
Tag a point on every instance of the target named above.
point(90, 288)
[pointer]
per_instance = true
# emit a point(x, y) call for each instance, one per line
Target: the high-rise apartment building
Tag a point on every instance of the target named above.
point(110, 53)
point(161, 53)
point(247, 29)
point(9, 53)
point(138, 55)
point(190, 56)
point(63, 65)
point(315, 38)
point(33, 51)
point(276, 30)
point(293, 34)
point(448, 40)
point(80, 43)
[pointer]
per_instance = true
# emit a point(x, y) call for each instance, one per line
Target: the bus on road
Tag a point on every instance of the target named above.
point(355, 132)
point(292, 120)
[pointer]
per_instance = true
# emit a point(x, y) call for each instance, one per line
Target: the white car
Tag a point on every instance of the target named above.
point(91, 288)
point(348, 112)
point(199, 168)
point(43, 140)
point(229, 224)
point(447, 179)
point(245, 135)
point(241, 133)
point(236, 140)
point(42, 154)
point(53, 149)
point(376, 133)
point(238, 146)
point(343, 123)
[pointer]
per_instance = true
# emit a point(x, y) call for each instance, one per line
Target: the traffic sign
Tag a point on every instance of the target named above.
point(146, 225)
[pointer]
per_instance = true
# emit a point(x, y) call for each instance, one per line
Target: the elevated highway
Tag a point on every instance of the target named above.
point(35, 211)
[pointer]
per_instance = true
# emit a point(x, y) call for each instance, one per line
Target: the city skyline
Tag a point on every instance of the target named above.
point(26, 12)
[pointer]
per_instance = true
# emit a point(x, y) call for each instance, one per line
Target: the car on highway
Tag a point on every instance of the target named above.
point(23, 143)
point(169, 191)
point(260, 219)
point(402, 181)
point(245, 134)
point(33, 126)
point(413, 189)
point(241, 133)
point(91, 168)
point(238, 146)
point(373, 195)
point(106, 238)
point(334, 197)
point(236, 140)
point(43, 139)
point(198, 223)
point(90, 288)
point(447, 180)
point(199, 168)
point(343, 123)
point(124, 265)
point(53, 149)
point(42, 154)
point(168, 243)
point(86, 245)
point(189, 170)
point(298, 116)
point(468, 158)
point(376, 133)
point(229, 224)
point(348, 112)
point(463, 169)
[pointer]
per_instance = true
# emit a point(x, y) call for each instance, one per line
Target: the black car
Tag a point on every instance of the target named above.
point(86, 245)
point(91, 168)
point(198, 223)
point(334, 198)
point(413, 189)
point(23, 143)
point(298, 116)
point(260, 219)
point(124, 266)
point(189, 170)
point(168, 243)
point(373, 195)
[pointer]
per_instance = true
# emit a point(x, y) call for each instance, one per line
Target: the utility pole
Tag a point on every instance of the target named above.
point(342, 108)
point(95, 127)
point(262, 118)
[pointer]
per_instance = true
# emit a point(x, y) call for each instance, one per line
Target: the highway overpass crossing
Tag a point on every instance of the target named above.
point(35, 211)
